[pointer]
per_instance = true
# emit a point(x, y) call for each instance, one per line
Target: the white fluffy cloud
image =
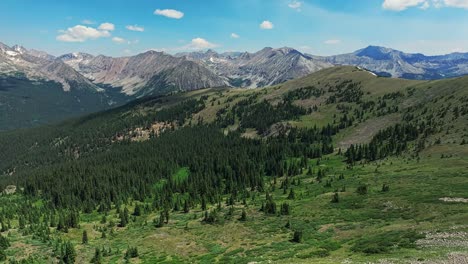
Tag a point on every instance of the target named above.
point(107, 26)
point(119, 40)
point(135, 28)
point(234, 36)
point(295, 5)
point(200, 44)
point(400, 5)
point(332, 41)
point(170, 13)
point(266, 25)
point(457, 3)
point(80, 33)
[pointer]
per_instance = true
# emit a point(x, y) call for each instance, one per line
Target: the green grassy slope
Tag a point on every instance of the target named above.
point(407, 208)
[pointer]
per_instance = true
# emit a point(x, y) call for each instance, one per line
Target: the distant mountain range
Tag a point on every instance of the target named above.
point(37, 65)
point(36, 88)
point(114, 81)
point(144, 74)
point(157, 72)
point(263, 68)
point(393, 63)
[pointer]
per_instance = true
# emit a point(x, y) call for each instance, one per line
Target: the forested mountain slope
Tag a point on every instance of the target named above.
point(29, 103)
point(37, 89)
point(337, 166)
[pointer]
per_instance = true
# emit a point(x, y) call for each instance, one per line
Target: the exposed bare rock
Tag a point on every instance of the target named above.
point(147, 73)
point(454, 200)
point(266, 67)
point(40, 65)
point(10, 189)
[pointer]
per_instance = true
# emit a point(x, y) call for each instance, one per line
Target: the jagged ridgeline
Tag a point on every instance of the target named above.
point(306, 164)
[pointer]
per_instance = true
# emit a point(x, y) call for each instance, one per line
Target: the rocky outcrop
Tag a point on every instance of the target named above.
point(146, 73)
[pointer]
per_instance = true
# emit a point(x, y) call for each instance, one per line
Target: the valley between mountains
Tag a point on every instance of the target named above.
point(37, 88)
point(325, 164)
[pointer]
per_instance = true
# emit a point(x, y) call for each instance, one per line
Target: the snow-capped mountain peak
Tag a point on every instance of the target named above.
point(38, 65)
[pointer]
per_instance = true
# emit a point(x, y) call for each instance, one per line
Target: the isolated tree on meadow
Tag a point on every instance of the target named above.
point(84, 238)
point(243, 217)
point(335, 198)
point(297, 236)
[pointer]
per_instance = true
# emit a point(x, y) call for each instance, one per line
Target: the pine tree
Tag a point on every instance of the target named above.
point(4, 227)
point(84, 238)
point(61, 223)
point(68, 253)
point(243, 217)
point(126, 214)
point(203, 204)
point(97, 259)
point(186, 207)
point(132, 252)
point(3, 256)
point(177, 206)
point(21, 222)
point(270, 205)
point(52, 220)
point(137, 210)
point(297, 236)
point(335, 198)
point(385, 188)
point(123, 219)
point(159, 222)
point(166, 215)
point(285, 209)
point(4, 243)
point(362, 189)
point(230, 213)
point(230, 201)
point(73, 219)
point(291, 195)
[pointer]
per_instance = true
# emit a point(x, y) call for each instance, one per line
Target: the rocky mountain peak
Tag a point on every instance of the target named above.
point(76, 56)
point(19, 49)
point(288, 50)
point(376, 52)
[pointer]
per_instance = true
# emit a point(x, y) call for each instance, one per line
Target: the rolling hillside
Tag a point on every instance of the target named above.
point(339, 166)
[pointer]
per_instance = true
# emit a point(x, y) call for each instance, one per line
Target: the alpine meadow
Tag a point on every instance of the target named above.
point(200, 153)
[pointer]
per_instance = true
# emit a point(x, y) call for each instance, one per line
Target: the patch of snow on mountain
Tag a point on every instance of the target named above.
point(12, 53)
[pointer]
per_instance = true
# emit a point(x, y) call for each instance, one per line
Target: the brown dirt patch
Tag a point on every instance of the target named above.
point(364, 132)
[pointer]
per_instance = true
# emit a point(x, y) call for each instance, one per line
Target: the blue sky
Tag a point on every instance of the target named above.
point(321, 27)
